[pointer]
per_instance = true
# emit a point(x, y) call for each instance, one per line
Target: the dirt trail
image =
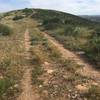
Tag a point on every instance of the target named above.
point(87, 70)
point(27, 91)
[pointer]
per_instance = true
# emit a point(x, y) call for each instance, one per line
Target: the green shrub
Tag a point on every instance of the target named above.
point(69, 30)
point(93, 49)
point(34, 40)
point(6, 14)
point(69, 65)
point(5, 63)
point(93, 93)
point(35, 59)
point(18, 18)
point(4, 85)
point(27, 11)
point(52, 23)
point(5, 30)
point(7, 89)
point(37, 71)
point(81, 32)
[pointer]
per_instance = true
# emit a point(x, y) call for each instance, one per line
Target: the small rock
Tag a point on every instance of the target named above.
point(40, 86)
point(56, 86)
point(45, 82)
point(65, 76)
point(69, 95)
point(94, 83)
point(11, 88)
point(82, 88)
point(69, 90)
point(73, 97)
point(80, 52)
point(46, 64)
point(50, 71)
point(1, 77)
point(16, 85)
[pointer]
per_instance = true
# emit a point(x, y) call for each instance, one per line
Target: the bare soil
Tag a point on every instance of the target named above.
point(28, 92)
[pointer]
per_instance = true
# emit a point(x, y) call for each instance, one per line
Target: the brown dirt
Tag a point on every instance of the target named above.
point(28, 92)
point(86, 70)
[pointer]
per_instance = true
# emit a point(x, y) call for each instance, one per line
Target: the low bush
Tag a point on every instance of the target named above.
point(5, 30)
point(5, 63)
point(5, 85)
point(18, 18)
point(69, 65)
point(52, 23)
point(27, 11)
point(6, 14)
point(93, 93)
point(93, 49)
point(37, 71)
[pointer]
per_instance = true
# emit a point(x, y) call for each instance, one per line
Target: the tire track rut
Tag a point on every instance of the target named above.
point(27, 89)
point(86, 70)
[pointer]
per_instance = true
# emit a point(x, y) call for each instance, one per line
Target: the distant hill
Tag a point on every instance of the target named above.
point(95, 18)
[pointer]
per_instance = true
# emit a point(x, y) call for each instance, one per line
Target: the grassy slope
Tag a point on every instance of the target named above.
point(73, 32)
point(12, 60)
point(44, 52)
point(51, 72)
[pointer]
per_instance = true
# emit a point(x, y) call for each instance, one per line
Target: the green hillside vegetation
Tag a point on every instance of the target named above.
point(73, 32)
point(5, 30)
point(95, 18)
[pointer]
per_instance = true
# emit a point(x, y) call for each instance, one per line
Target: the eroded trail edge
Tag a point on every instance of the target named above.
point(27, 91)
point(86, 70)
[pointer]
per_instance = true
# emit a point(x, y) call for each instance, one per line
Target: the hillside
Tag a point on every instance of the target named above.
point(73, 32)
point(48, 55)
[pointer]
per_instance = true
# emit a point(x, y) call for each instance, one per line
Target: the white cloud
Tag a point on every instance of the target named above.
point(70, 6)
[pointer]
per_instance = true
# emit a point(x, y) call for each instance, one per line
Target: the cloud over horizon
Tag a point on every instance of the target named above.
point(83, 7)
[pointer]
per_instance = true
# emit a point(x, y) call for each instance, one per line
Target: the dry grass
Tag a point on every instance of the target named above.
point(12, 60)
point(54, 77)
point(58, 78)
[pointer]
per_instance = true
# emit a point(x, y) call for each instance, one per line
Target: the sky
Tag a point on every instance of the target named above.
point(77, 7)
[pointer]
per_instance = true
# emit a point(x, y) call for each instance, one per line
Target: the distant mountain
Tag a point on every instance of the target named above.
point(95, 18)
